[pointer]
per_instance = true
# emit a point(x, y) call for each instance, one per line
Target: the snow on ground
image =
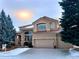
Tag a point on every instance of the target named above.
point(35, 53)
point(14, 52)
point(73, 52)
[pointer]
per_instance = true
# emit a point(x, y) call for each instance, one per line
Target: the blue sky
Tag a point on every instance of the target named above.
point(39, 8)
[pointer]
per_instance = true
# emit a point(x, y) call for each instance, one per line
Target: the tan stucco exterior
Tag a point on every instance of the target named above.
point(50, 38)
point(46, 39)
point(46, 20)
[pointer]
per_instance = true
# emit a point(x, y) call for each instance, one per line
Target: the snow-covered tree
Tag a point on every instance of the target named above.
point(70, 21)
point(11, 29)
point(7, 31)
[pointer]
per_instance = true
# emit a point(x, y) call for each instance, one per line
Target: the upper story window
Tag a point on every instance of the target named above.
point(52, 25)
point(41, 27)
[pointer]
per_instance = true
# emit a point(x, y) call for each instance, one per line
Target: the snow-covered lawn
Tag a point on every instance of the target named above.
point(73, 51)
point(14, 52)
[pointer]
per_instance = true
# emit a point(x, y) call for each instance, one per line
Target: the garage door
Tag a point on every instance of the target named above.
point(44, 43)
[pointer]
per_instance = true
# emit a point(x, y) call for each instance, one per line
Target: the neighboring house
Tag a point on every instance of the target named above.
point(43, 33)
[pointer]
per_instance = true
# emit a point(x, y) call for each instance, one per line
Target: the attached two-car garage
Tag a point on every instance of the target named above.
point(44, 40)
point(44, 43)
point(48, 40)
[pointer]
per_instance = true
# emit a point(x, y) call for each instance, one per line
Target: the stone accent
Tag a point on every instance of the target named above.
point(22, 38)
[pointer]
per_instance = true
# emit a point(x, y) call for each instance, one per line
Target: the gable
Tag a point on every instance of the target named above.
point(44, 19)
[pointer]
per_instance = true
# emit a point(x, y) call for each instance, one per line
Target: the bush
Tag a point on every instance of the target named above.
point(26, 43)
point(30, 45)
point(13, 44)
point(8, 45)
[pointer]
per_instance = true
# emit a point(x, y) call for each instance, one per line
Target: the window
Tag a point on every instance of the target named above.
point(52, 25)
point(26, 32)
point(41, 27)
point(28, 36)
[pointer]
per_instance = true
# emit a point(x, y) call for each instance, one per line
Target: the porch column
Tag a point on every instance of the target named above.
point(22, 39)
point(16, 40)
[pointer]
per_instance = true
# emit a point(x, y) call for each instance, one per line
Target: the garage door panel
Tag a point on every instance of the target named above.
point(42, 43)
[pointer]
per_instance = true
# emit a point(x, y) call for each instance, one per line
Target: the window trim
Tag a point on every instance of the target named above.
point(38, 28)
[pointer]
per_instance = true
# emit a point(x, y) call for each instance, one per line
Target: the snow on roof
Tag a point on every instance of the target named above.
point(29, 26)
point(26, 26)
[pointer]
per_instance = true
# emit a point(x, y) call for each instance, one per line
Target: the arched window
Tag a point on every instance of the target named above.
point(41, 27)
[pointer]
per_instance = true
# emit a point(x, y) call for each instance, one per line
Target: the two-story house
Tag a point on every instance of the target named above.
point(43, 33)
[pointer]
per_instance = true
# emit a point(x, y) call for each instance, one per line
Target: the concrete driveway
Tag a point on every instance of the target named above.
point(42, 54)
